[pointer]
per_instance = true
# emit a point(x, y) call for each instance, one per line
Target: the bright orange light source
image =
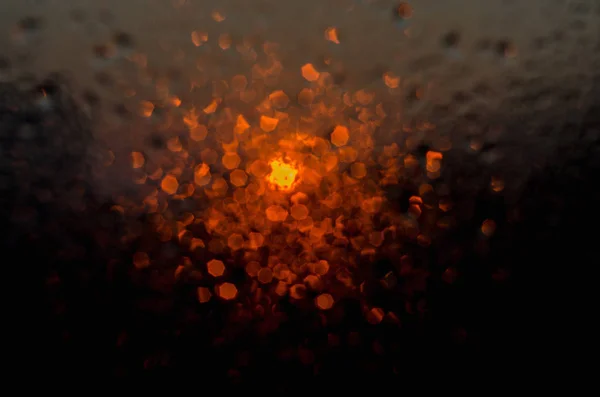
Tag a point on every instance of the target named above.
point(283, 175)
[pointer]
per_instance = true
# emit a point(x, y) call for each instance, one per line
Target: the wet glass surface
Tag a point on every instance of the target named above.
point(295, 195)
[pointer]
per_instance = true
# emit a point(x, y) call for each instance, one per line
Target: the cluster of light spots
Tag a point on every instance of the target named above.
point(287, 186)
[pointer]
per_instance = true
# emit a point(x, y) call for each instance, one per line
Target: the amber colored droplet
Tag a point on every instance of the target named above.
point(137, 160)
point(202, 175)
point(488, 227)
point(146, 108)
point(276, 213)
point(235, 241)
point(299, 211)
point(321, 267)
point(497, 184)
point(141, 260)
point(225, 41)
point(198, 133)
point(211, 107)
point(204, 294)
point(198, 38)
point(217, 16)
point(231, 160)
point(175, 101)
point(375, 315)
point(358, 170)
point(348, 154)
point(324, 301)
point(391, 80)
point(279, 99)
point(281, 288)
point(309, 72)
point(252, 268)
point(259, 168)
point(241, 125)
point(265, 275)
point(238, 178)
point(404, 10)
point(268, 124)
point(174, 145)
point(169, 184)
point(239, 82)
point(227, 291)
point(298, 291)
point(433, 161)
point(340, 135)
point(209, 156)
point(215, 268)
point(255, 240)
point(332, 35)
point(305, 97)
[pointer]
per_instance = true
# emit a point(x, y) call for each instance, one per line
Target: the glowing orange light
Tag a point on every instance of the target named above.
point(283, 175)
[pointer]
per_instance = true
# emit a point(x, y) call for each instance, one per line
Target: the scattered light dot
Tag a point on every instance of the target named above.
point(238, 178)
point(340, 136)
point(235, 241)
point(204, 294)
point(231, 160)
point(215, 268)
point(324, 301)
point(488, 227)
point(198, 133)
point(137, 160)
point(227, 291)
point(268, 124)
point(265, 275)
point(276, 213)
point(298, 291)
point(299, 211)
point(146, 108)
point(252, 268)
point(309, 72)
point(358, 170)
point(169, 184)
point(141, 260)
point(332, 35)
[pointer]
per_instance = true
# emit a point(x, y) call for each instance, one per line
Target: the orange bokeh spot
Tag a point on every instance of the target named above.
point(340, 135)
point(215, 267)
point(231, 160)
point(203, 294)
point(283, 175)
point(276, 213)
point(238, 178)
point(227, 291)
point(309, 72)
point(137, 160)
point(299, 211)
point(265, 275)
point(324, 301)
point(169, 184)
